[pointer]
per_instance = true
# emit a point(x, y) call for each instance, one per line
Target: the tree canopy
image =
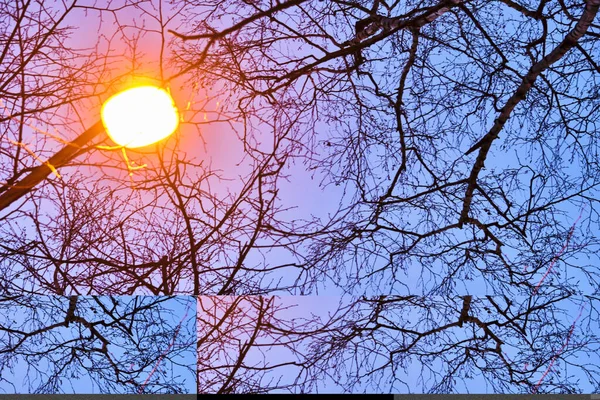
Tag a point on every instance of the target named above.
point(430, 168)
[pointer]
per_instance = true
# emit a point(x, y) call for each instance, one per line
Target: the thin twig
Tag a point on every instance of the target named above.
point(141, 389)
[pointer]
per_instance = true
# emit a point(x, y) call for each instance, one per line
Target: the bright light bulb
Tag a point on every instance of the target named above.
point(139, 116)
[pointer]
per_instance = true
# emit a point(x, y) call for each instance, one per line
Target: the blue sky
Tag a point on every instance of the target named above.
point(27, 376)
point(310, 196)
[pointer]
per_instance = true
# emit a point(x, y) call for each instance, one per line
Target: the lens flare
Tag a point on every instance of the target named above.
point(140, 116)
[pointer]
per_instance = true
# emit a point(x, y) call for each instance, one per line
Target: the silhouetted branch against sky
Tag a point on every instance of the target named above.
point(362, 195)
point(104, 344)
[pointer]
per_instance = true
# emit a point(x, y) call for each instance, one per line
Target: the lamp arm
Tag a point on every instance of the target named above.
point(17, 190)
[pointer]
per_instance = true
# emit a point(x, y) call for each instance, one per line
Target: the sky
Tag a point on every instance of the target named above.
point(179, 367)
point(217, 144)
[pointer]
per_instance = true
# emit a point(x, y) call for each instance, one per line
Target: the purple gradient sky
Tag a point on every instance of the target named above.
point(218, 144)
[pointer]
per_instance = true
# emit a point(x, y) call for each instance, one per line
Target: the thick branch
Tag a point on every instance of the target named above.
point(591, 8)
point(240, 24)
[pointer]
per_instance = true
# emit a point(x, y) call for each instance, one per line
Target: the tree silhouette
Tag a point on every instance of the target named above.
point(106, 344)
point(425, 161)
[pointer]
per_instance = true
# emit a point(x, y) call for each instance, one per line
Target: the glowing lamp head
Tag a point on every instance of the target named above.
point(139, 116)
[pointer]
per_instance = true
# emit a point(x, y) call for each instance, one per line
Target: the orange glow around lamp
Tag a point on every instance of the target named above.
point(136, 117)
point(139, 116)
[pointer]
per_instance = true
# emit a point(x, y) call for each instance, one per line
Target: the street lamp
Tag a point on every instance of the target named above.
point(140, 116)
point(136, 117)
